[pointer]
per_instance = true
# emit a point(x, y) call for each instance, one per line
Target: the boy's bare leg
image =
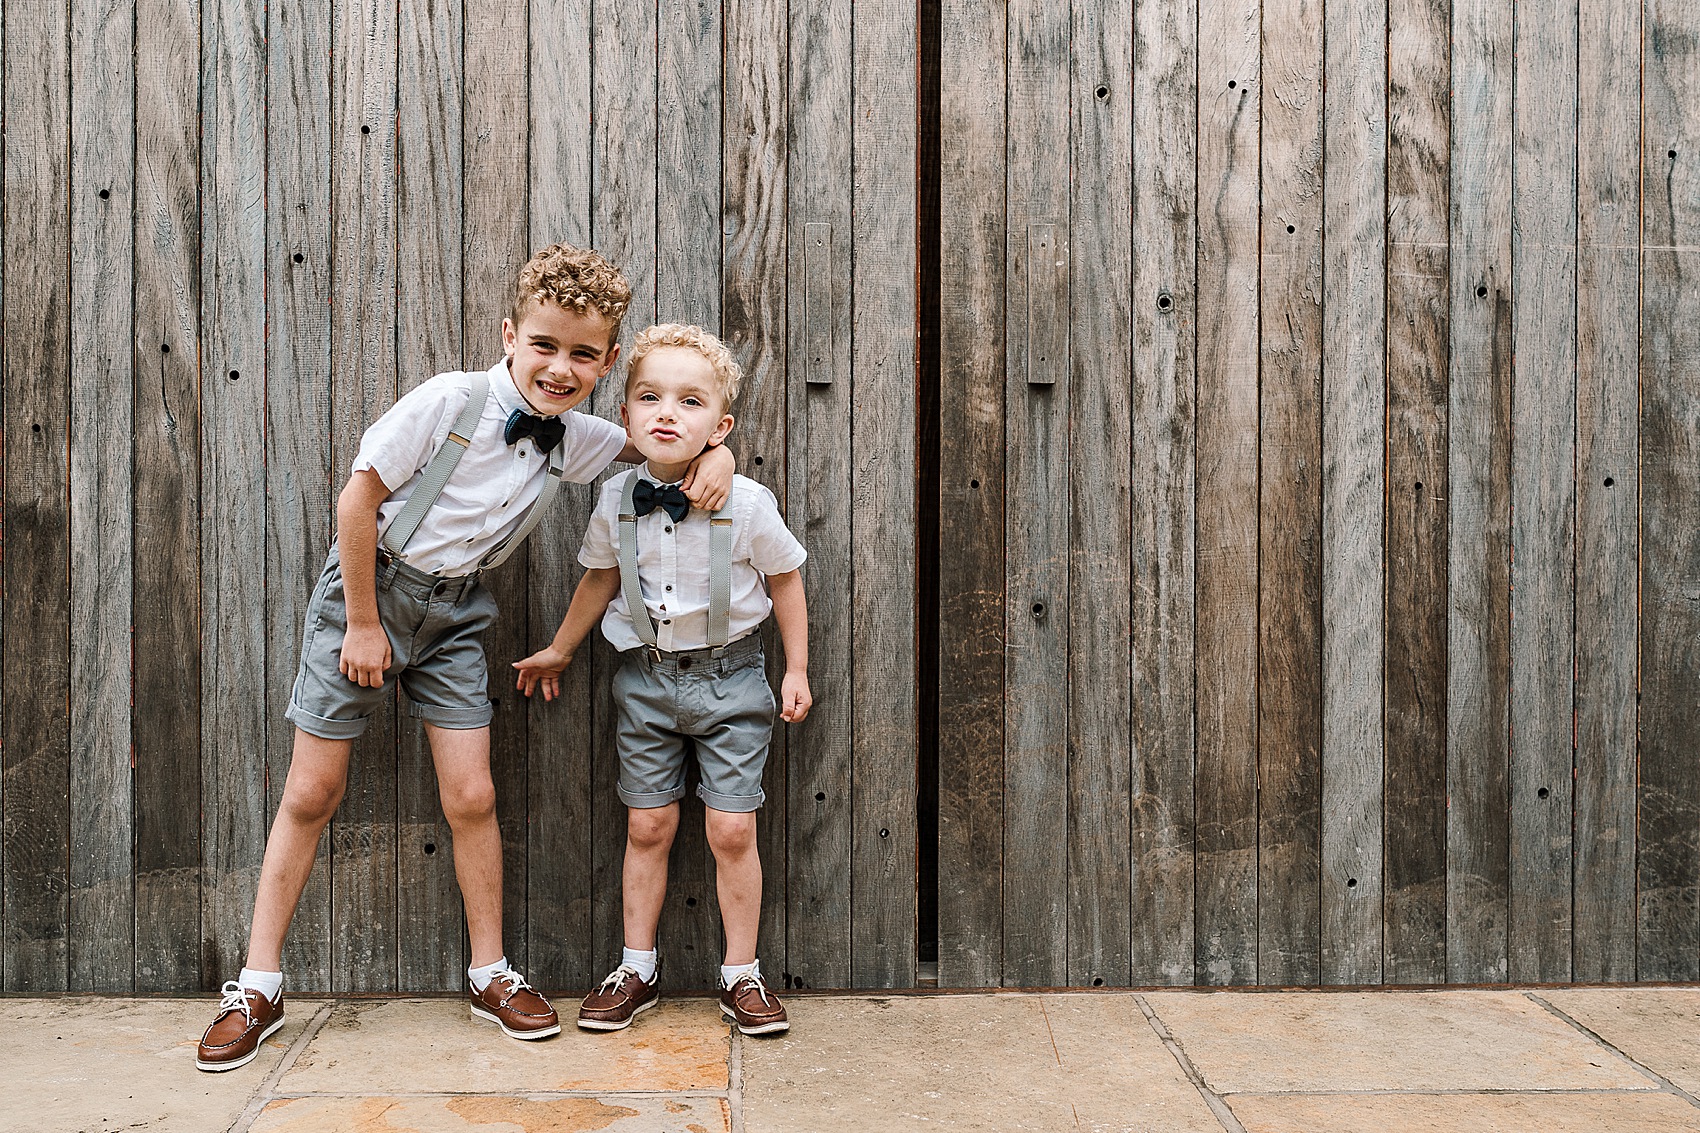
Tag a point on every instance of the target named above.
point(643, 877)
point(468, 794)
point(737, 878)
point(318, 774)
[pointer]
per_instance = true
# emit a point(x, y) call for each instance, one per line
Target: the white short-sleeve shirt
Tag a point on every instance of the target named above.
point(494, 484)
point(673, 564)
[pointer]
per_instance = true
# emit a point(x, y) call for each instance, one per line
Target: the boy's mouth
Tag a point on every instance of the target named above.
point(663, 433)
point(553, 390)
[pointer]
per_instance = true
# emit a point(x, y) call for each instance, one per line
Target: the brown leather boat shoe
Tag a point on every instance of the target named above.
point(516, 1007)
point(246, 1018)
point(614, 1002)
point(752, 1007)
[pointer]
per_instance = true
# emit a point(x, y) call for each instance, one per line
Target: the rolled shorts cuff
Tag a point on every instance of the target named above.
point(649, 800)
point(324, 727)
point(734, 804)
point(454, 719)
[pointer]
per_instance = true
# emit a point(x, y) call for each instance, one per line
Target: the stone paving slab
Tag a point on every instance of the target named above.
point(1657, 1027)
point(413, 1046)
point(1326, 1042)
point(1640, 1112)
point(986, 1062)
point(521, 1114)
point(95, 1064)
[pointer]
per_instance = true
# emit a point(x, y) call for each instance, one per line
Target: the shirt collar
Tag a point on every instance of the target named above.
point(645, 473)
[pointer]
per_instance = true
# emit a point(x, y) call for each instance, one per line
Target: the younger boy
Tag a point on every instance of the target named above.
point(446, 484)
point(684, 599)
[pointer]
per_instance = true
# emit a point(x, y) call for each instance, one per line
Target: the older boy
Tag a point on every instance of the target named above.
point(684, 597)
point(446, 485)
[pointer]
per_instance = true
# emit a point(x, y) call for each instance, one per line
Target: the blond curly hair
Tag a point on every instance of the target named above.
point(575, 279)
point(728, 375)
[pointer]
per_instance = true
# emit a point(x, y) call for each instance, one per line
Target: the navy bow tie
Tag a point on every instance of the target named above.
point(646, 497)
point(546, 431)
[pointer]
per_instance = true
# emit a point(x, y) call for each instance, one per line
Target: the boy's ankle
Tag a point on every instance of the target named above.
point(642, 961)
point(268, 984)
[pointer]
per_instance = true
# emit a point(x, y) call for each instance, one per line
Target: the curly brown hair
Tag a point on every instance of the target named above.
point(728, 375)
point(576, 279)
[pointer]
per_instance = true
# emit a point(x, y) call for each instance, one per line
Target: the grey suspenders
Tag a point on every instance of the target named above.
point(442, 466)
point(719, 572)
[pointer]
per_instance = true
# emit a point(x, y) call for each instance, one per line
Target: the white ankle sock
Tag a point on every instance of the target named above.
point(481, 977)
point(729, 973)
point(643, 962)
point(268, 984)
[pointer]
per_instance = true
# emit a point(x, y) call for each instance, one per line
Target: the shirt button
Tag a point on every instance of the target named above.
point(669, 588)
point(667, 621)
point(668, 530)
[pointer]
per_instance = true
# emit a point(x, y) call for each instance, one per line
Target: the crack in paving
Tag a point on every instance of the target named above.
point(1665, 1083)
point(1224, 1115)
point(265, 1092)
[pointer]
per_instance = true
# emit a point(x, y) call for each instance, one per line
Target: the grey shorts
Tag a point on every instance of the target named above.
point(434, 626)
point(724, 708)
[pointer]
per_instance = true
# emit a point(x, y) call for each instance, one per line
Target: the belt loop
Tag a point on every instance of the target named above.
point(390, 564)
point(652, 655)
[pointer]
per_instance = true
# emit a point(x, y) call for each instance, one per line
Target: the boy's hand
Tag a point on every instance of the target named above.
point(794, 698)
point(543, 669)
point(708, 481)
point(365, 655)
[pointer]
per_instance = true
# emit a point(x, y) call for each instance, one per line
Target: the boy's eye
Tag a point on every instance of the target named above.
point(692, 401)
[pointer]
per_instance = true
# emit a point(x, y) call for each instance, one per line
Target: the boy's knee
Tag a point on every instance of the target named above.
point(468, 801)
point(651, 828)
point(731, 833)
point(311, 799)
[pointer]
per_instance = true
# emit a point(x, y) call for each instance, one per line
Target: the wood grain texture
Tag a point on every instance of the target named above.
point(883, 862)
point(300, 480)
point(165, 482)
point(971, 497)
point(1164, 313)
point(1668, 839)
point(1354, 370)
point(1543, 489)
point(1100, 489)
point(1418, 279)
point(35, 521)
point(429, 208)
point(364, 924)
point(819, 483)
point(1478, 481)
point(101, 928)
point(754, 227)
point(1036, 519)
point(1608, 269)
point(232, 384)
point(495, 94)
point(558, 836)
point(1226, 594)
point(1290, 500)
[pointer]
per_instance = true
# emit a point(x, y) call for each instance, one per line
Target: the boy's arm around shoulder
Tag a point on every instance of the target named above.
point(791, 613)
point(365, 647)
point(590, 600)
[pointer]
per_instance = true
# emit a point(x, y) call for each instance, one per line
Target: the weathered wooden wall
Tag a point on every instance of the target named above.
point(1318, 520)
point(235, 233)
point(1304, 432)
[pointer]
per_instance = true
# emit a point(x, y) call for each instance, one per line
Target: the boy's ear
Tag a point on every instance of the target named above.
point(610, 358)
point(624, 421)
point(510, 335)
point(722, 429)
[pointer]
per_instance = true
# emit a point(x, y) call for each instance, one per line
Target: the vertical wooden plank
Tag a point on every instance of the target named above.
point(1036, 522)
point(687, 289)
point(971, 495)
point(557, 901)
point(882, 437)
point(494, 180)
point(754, 226)
point(1290, 500)
point(233, 511)
point(1669, 818)
point(299, 477)
point(1478, 479)
point(1229, 95)
point(364, 922)
point(167, 452)
point(820, 487)
point(1100, 487)
point(35, 654)
point(1608, 267)
point(101, 931)
point(1418, 277)
point(623, 220)
point(431, 950)
point(1543, 490)
point(1354, 336)
point(1165, 329)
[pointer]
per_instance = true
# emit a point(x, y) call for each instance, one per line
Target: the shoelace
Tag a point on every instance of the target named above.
point(761, 985)
point(516, 982)
point(236, 999)
point(618, 976)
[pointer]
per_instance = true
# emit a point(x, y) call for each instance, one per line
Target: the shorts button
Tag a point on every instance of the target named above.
point(684, 662)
